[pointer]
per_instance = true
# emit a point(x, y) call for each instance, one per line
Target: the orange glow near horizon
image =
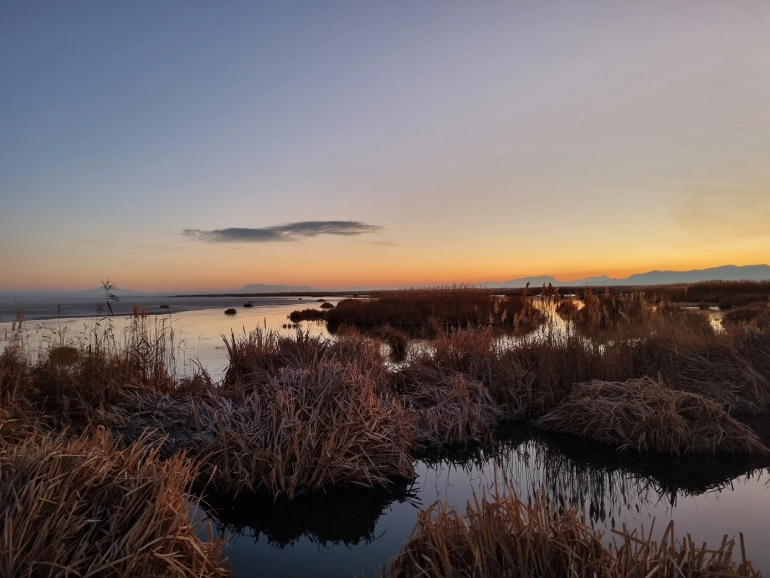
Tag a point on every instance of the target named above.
point(409, 274)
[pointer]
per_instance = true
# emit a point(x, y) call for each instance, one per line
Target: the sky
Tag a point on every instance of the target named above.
point(207, 145)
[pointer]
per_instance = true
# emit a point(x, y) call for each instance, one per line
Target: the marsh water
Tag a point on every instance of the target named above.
point(346, 533)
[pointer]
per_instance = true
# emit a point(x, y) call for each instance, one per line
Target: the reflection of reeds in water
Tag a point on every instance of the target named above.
point(335, 517)
point(583, 474)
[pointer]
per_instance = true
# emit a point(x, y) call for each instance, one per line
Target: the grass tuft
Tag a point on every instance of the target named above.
point(503, 536)
point(85, 507)
point(646, 415)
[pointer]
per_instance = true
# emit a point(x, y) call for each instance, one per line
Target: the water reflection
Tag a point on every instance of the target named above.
point(707, 496)
point(338, 517)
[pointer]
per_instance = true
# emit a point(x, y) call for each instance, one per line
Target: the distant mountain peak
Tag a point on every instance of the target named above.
point(723, 273)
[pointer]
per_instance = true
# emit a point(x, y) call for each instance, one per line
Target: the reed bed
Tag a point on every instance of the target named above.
point(646, 415)
point(255, 358)
point(503, 536)
point(431, 310)
point(397, 341)
point(734, 293)
point(756, 317)
point(296, 416)
point(307, 429)
point(449, 409)
point(307, 315)
point(293, 416)
point(69, 382)
point(732, 368)
point(87, 507)
point(630, 314)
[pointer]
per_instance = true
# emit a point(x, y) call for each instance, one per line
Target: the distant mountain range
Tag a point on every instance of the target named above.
point(724, 273)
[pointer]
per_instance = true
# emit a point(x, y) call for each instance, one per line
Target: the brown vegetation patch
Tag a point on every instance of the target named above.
point(716, 292)
point(306, 429)
point(83, 507)
point(505, 537)
point(398, 341)
point(755, 316)
point(435, 309)
point(307, 315)
point(645, 415)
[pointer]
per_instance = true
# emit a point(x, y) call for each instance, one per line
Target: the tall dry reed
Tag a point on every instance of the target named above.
point(86, 507)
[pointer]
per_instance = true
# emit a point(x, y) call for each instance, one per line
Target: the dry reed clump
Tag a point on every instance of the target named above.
point(505, 537)
point(525, 376)
point(739, 292)
point(298, 414)
point(307, 315)
point(68, 383)
point(260, 355)
point(732, 368)
point(309, 428)
point(398, 341)
point(646, 415)
point(85, 507)
point(755, 317)
point(426, 309)
point(449, 410)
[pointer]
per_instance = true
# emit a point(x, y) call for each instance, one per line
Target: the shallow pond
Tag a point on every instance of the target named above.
point(344, 534)
point(198, 333)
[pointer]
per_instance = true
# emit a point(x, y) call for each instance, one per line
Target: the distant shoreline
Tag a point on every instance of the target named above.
point(46, 309)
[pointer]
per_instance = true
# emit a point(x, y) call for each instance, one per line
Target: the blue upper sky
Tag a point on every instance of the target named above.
point(624, 136)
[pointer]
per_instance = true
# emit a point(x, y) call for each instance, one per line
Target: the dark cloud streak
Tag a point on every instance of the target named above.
point(282, 233)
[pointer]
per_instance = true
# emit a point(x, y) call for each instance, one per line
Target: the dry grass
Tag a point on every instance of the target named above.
point(294, 416)
point(84, 507)
point(645, 415)
point(430, 309)
point(305, 414)
point(733, 292)
point(398, 341)
point(505, 537)
point(732, 368)
point(756, 317)
point(69, 382)
point(306, 429)
point(307, 315)
point(450, 410)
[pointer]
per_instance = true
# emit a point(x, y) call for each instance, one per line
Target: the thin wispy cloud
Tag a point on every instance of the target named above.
point(287, 232)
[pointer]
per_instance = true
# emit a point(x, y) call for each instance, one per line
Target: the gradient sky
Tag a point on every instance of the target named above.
point(466, 141)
